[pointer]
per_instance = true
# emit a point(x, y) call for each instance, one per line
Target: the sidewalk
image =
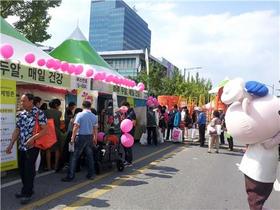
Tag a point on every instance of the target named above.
point(195, 141)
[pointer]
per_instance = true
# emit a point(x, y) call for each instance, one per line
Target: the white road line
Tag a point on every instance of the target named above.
point(19, 180)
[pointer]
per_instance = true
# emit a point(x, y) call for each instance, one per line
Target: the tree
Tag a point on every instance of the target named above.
point(195, 88)
point(33, 17)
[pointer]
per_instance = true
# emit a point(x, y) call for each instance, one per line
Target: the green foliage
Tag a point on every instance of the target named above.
point(157, 83)
point(33, 17)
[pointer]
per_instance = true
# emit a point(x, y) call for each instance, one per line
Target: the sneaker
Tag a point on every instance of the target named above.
point(25, 199)
point(19, 195)
point(217, 152)
point(209, 151)
point(90, 177)
point(67, 179)
point(127, 164)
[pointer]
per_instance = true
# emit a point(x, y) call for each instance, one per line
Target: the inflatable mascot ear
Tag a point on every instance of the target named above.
point(252, 116)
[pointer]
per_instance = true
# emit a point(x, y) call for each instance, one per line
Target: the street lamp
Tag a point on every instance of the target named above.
point(189, 69)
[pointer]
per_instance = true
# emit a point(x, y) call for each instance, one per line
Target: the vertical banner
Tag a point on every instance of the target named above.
point(7, 122)
point(130, 100)
point(95, 98)
point(115, 101)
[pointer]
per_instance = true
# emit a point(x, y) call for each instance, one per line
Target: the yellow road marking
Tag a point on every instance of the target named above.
point(56, 195)
point(91, 196)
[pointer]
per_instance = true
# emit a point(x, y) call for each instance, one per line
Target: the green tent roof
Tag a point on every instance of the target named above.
point(76, 49)
point(6, 28)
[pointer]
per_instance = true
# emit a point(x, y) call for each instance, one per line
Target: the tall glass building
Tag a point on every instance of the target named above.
point(115, 26)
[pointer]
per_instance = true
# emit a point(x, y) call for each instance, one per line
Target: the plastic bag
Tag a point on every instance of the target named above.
point(143, 139)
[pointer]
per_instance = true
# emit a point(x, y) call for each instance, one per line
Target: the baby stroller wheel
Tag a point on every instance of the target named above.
point(120, 165)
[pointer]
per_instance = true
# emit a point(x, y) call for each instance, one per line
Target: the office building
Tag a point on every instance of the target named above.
point(131, 62)
point(114, 26)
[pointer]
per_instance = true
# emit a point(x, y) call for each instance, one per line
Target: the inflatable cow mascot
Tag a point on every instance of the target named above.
point(253, 118)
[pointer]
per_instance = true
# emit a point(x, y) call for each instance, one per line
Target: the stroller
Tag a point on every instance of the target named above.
point(108, 152)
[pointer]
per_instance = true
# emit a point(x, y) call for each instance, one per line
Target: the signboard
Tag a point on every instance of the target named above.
point(18, 72)
point(80, 83)
point(126, 92)
point(101, 87)
point(8, 122)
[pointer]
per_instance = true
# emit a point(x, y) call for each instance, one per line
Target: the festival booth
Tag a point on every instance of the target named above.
point(24, 68)
point(216, 93)
point(215, 99)
point(102, 85)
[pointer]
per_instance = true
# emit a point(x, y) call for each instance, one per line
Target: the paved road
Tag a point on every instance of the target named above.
point(171, 176)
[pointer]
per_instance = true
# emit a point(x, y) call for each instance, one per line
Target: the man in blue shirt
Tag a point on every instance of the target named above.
point(201, 127)
point(84, 135)
point(27, 152)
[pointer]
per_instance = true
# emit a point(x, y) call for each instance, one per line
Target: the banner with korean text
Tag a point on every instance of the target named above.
point(19, 72)
point(7, 122)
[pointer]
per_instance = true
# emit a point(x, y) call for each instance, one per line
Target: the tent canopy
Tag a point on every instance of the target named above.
point(221, 84)
point(76, 49)
point(21, 45)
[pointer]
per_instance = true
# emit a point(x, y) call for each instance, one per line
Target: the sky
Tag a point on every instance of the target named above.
point(226, 38)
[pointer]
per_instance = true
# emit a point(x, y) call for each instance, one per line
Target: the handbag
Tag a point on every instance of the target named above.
point(176, 135)
point(46, 141)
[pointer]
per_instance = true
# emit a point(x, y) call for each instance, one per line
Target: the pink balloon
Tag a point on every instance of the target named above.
point(7, 51)
point(71, 69)
point(141, 89)
point(79, 69)
point(102, 75)
point(41, 62)
point(100, 136)
point(64, 66)
point(116, 80)
point(140, 86)
point(29, 58)
point(108, 78)
point(150, 103)
point(89, 73)
point(50, 63)
point(126, 125)
point(97, 76)
point(57, 64)
point(127, 140)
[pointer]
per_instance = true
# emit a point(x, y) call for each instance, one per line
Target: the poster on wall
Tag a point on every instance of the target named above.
point(82, 85)
point(8, 122)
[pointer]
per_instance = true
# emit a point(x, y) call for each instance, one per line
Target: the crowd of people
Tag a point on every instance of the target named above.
point(162, 122)
point(77, 136)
